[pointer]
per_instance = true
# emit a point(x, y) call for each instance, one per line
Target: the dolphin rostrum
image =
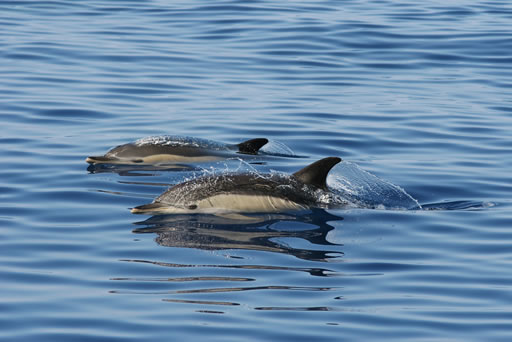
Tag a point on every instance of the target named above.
point(174, 149)
point(246, 193)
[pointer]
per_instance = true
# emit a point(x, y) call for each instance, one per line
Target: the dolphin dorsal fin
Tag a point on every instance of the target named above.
point(316, 173)
point(251, 146)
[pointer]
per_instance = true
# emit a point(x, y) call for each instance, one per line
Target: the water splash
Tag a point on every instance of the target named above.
point(277, 148)
point(183, 141)
point(363, 189)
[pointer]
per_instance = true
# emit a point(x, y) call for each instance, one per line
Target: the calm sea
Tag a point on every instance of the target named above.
point(413, 95)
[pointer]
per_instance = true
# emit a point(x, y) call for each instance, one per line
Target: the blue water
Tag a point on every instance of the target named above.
point(415, 97)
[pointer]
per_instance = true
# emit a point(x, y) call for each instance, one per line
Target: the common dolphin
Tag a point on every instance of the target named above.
point(245, 193)
point(174, 149)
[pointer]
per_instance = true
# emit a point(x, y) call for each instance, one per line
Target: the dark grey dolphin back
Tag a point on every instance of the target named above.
point(316, 173)
point(251, 146)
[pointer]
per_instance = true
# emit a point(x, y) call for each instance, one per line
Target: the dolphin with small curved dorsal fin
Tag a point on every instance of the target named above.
point(230, 194)
point(174, 149)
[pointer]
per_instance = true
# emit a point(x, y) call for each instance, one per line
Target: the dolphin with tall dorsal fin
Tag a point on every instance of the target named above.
point(245, 193)
point(175, 149)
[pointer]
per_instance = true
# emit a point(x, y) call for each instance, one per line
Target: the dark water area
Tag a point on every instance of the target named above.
point(414, 96)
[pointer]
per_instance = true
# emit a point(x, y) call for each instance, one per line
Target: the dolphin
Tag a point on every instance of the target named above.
point(174, 149)
point(231, 194)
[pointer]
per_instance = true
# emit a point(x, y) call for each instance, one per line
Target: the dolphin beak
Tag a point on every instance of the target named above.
point(146, 208)
point(98, 159)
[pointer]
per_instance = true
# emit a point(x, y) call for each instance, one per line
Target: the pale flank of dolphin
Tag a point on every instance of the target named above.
point(169, 149)
point(245, 193)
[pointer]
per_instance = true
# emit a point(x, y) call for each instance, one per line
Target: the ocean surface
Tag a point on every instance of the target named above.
point(414, 96)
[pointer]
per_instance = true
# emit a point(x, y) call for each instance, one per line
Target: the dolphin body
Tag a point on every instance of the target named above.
point(171, 150)
point(245, 193)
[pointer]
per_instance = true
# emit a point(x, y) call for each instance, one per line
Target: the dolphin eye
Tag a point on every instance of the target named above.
point(192, 206)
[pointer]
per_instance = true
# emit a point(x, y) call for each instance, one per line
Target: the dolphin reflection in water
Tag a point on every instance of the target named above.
point(263, 233)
